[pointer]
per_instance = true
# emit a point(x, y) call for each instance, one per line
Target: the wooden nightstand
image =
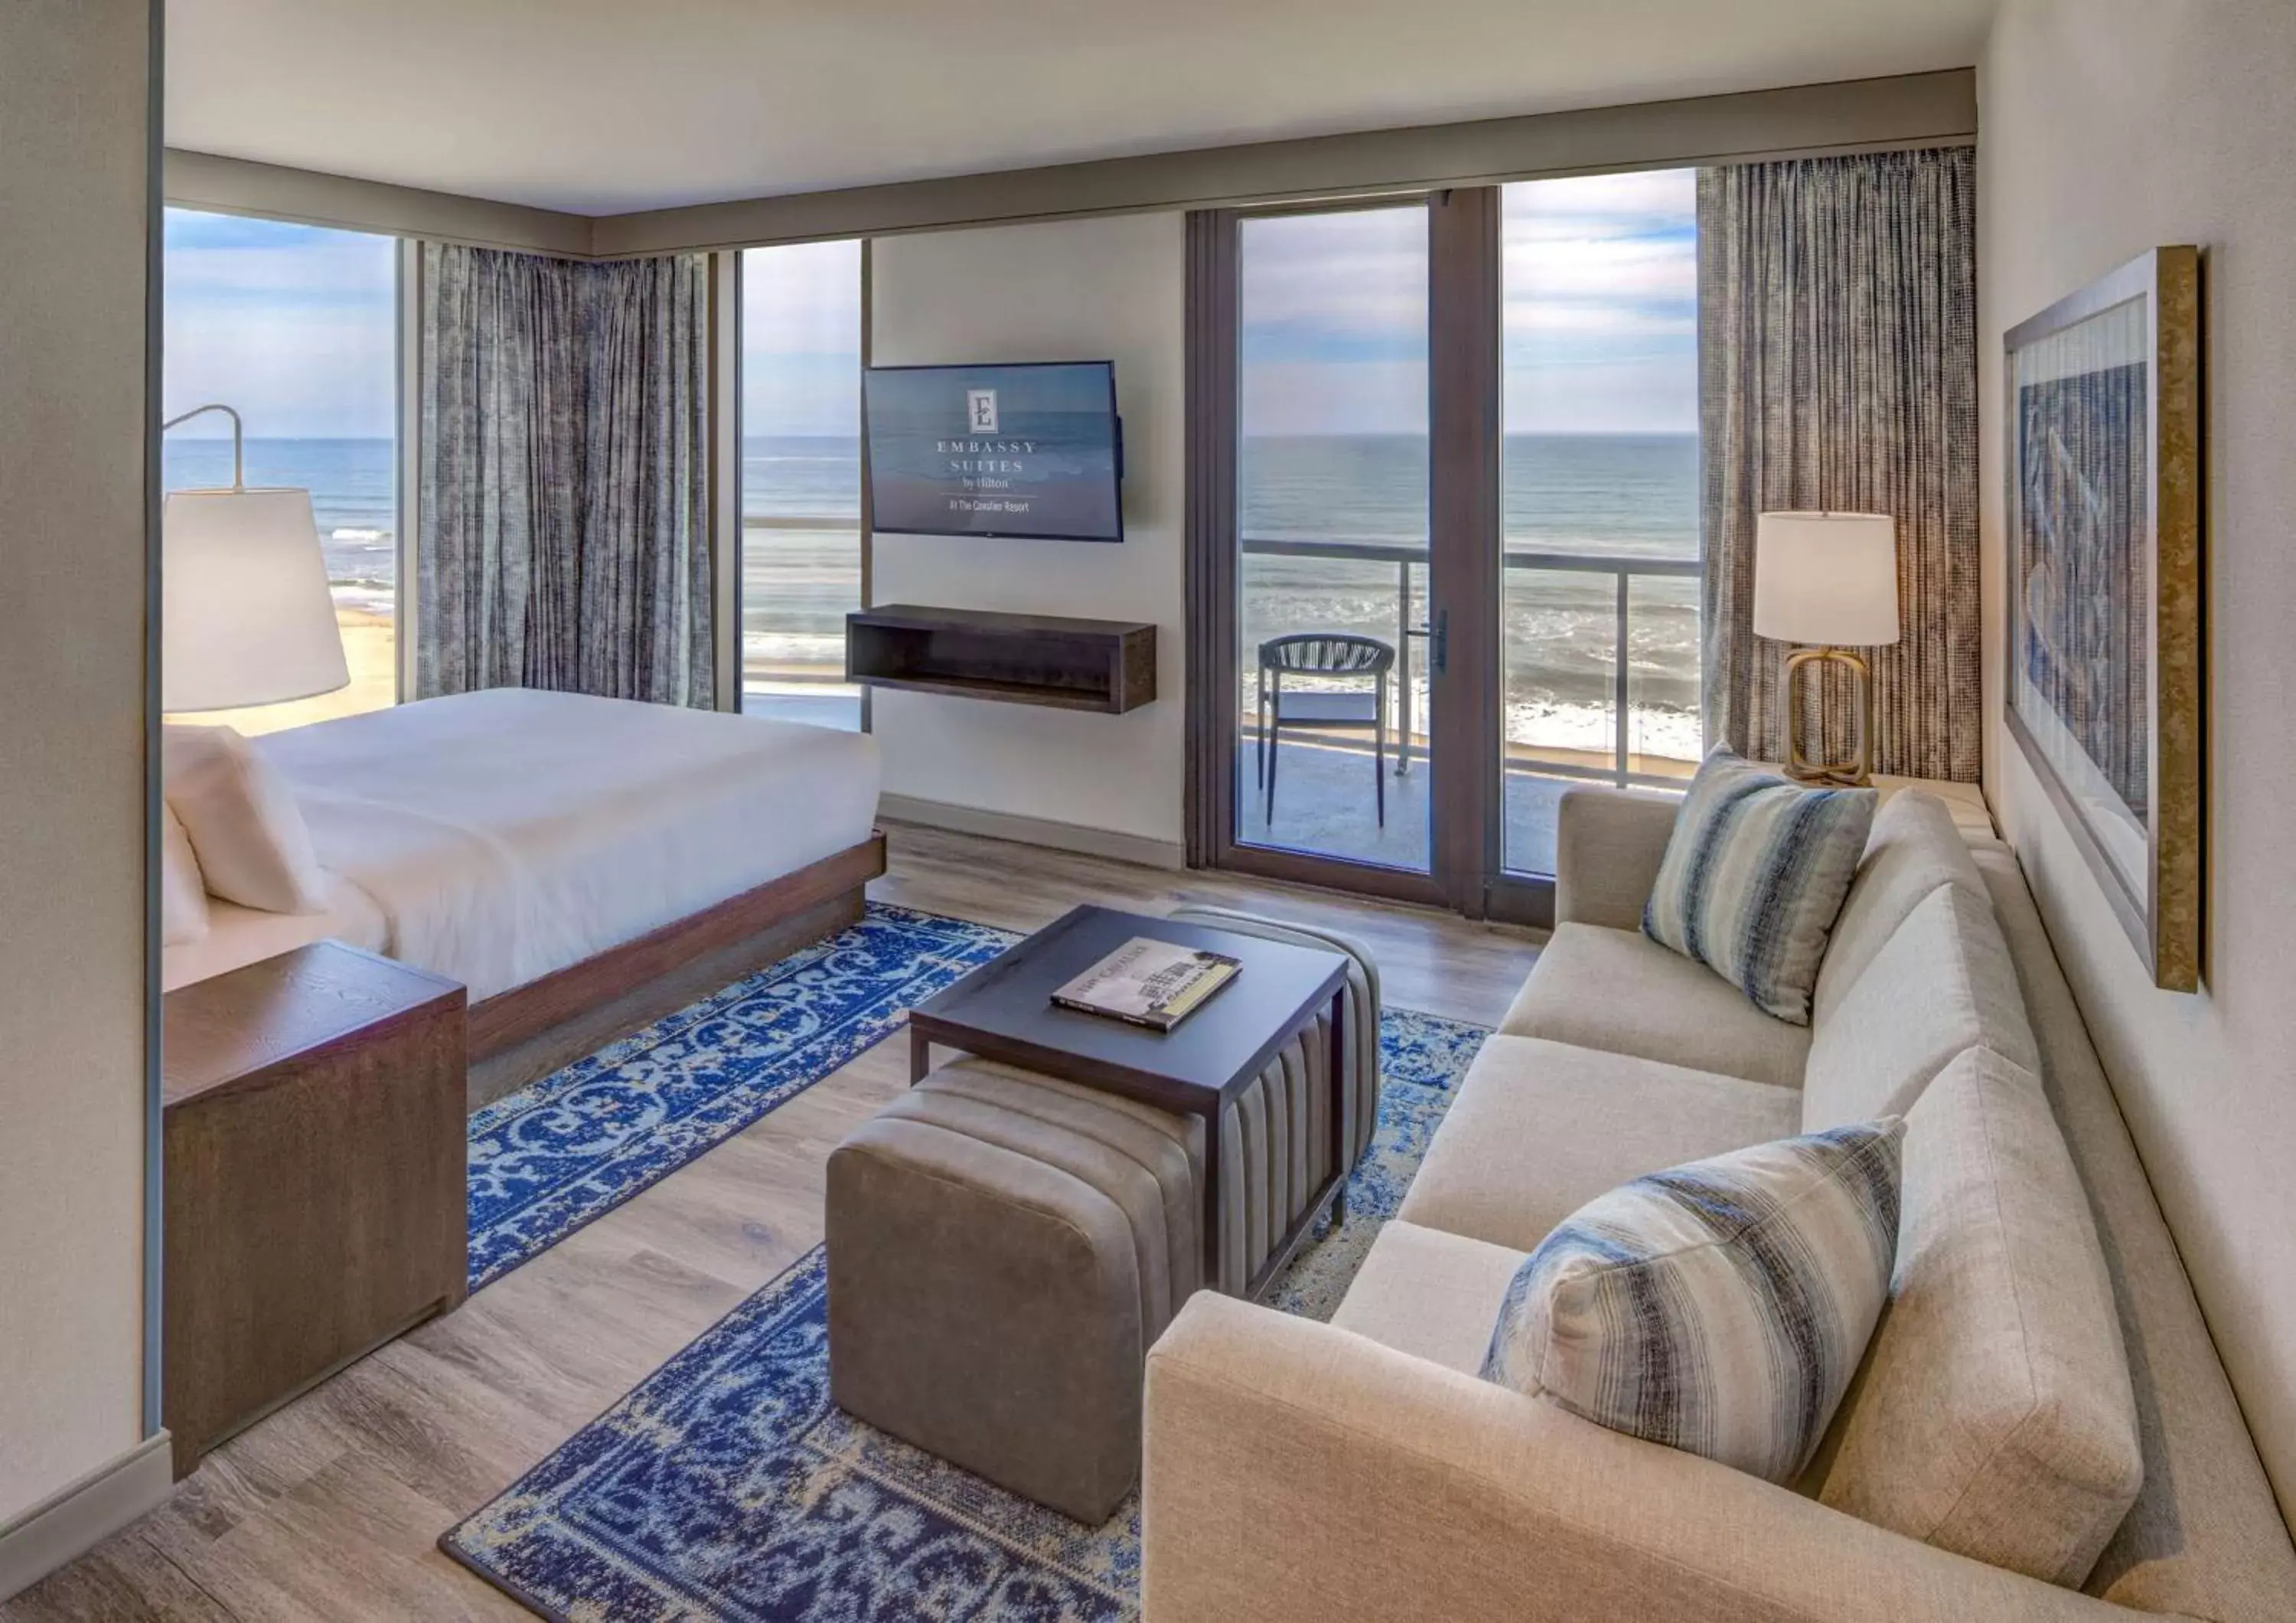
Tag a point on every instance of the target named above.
point(316, 1204)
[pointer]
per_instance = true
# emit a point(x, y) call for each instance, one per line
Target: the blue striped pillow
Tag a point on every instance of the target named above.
point(1754, 876)
point(1719, 1307)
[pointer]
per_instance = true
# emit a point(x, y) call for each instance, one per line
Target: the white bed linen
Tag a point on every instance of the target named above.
point(508, 833)
point(240, 935)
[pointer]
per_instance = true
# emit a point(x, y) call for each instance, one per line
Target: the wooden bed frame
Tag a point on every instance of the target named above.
point(819, 898)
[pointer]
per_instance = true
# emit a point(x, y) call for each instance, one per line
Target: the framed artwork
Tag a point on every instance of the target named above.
point(2104, 666)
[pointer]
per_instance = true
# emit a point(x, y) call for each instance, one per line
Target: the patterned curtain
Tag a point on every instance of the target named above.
point(1838, 370)
point(564, 539)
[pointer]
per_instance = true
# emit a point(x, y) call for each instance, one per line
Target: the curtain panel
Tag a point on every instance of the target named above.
point(1838, 370)
point(564, 500)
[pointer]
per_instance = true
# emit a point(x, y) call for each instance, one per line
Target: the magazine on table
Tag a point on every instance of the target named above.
point(1149, 983)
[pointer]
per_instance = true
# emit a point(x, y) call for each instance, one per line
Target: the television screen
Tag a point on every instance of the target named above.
point(1032, 451)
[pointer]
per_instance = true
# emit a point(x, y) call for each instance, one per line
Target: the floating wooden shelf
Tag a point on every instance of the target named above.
point(1106, 665)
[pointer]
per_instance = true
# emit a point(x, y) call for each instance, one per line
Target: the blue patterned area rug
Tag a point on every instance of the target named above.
point(570, 1148)
point(728, 1488)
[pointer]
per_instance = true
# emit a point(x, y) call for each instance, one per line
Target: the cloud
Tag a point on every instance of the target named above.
point(294, 326)
point(801, 339)
point(1355, 397)
point(801, 300)
point(1348, 285)
point(1607, 256)
point(1600, 318)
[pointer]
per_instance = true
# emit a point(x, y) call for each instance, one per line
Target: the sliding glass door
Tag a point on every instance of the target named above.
point(1331, 560)
point(1444, 529)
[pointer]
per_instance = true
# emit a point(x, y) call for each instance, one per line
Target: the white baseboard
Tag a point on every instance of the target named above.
point(1033, 831)
point(76, 1519)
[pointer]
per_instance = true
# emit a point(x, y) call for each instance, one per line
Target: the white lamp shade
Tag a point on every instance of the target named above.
point(1829, 579)
point(246, 615)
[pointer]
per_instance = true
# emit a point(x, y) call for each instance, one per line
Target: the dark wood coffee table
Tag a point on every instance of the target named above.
point(1004, 1011)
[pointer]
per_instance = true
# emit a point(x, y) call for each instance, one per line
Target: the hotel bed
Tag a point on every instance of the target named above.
point(538, 847)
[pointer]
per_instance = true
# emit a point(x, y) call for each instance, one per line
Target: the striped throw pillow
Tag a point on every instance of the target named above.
point(1754, 876)
point(1719, 1307)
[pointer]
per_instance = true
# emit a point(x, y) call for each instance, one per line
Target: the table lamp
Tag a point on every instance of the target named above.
point(1827, 579)
point(246, 616)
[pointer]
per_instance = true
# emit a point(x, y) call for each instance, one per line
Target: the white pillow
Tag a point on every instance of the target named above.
point(1719, 1307)
point(183, 894)
point(242, 821)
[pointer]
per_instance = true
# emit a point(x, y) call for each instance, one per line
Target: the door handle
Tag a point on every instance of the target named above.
point(1439, 643)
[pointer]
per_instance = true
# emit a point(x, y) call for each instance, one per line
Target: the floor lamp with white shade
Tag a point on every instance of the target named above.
point(246, 615)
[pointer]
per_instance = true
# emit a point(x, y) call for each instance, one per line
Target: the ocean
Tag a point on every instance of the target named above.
point(1621, 496)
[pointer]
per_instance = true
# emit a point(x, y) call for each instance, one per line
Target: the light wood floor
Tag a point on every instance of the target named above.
point(329, 1509)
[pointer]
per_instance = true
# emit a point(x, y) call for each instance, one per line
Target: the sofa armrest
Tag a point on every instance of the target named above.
point(1298, 1472)
point(1607, 845)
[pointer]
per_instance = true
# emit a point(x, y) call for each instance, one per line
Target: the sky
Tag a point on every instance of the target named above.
point(1601, 322)
point(801, 339)
point(296, 327)
point(1600, 328)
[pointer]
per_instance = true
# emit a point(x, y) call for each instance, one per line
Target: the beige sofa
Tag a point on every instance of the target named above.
point(2044, 1338)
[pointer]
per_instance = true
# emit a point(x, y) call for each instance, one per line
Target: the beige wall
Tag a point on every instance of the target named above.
point(74, 103)
point(2111, 127)
point(1086, 290)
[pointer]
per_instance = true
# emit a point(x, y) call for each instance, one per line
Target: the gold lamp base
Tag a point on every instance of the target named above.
point(1856, 772)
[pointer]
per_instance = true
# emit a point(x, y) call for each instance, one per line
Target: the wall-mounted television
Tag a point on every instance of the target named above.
point(1031, 450)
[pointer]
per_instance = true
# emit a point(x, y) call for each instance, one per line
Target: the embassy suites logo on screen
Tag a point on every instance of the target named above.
point(984, 464)
point(1016, 450)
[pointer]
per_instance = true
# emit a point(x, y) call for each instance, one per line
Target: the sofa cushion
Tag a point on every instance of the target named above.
point(1540, 1128)
point(1754, 874)
point(1719, 1307)
point(1610, 989)
point(1994, 1416)
point(2205, 1538)
point(1430, 1294)
point(1942, 984)
point(1608, 846)
point(1914, 848)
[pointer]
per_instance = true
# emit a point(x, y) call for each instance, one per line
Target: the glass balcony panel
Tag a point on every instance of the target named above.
point(800, 578)
point(1664, 731)
point(1560, 723)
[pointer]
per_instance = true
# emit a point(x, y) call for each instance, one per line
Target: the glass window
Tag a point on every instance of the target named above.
point(296, 327)
point(1331, 475)
point(1601, 470)
point(800, 479)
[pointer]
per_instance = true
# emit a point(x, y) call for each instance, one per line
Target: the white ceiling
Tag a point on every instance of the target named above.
point(602, 106)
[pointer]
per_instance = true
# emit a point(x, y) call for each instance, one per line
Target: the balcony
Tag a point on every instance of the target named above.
point(1602, 676)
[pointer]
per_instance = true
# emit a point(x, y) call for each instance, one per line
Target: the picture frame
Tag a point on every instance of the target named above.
point(2104, 665)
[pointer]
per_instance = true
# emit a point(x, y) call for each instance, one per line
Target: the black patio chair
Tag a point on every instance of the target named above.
point(1323, 654)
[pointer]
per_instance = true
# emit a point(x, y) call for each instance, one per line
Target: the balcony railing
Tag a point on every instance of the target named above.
point(1410, 627)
